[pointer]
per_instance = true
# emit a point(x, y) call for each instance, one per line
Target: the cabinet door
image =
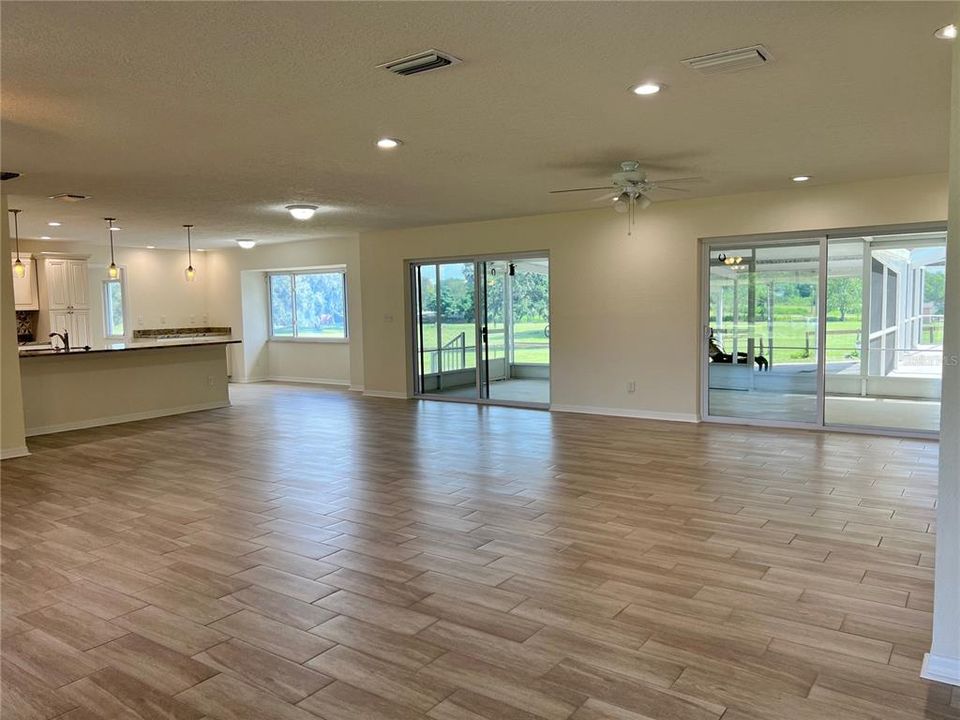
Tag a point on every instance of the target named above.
point(61, 321)
point(58, 293)
point(80, 334)
point(25, 288)
point(77, 282)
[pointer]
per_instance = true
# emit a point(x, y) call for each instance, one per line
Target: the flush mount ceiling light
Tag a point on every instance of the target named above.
point(947, 32)
point(247, 244)
point(45, 237)
point(801, 178)
point(113, 272)
point(54, 224)
point(151, 247)
point(19, 269)
point(190, 274)
point(388, 143)
point(302, 212)
point(647, 88)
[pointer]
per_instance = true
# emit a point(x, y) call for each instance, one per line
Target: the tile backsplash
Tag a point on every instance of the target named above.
point(174, 331)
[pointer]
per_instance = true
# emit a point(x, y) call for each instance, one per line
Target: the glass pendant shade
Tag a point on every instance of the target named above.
point(113, 272)
point(190, 274)
point(19, 269)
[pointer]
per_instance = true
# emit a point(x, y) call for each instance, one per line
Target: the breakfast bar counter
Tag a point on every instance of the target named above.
point(122, 382)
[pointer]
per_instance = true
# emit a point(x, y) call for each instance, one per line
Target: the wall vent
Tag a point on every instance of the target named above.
point(420, 62)
point(730, 60)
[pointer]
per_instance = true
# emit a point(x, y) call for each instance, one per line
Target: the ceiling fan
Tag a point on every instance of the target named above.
point(631, 190)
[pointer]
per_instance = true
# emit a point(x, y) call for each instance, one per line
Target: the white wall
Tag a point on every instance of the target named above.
point(12, 442)
point(943, 661)
point(622, 308)
point(237, 297)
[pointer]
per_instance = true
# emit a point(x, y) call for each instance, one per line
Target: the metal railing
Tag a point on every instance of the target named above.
point(453, 354)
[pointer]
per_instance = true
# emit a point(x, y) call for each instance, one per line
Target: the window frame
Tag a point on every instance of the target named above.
point(292, 274)
point(105, 316)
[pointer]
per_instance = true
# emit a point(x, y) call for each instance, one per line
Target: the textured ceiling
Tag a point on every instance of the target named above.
point(221, 113)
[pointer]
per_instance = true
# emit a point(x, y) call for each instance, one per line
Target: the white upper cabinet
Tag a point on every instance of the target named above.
point(67, 283)
point(78, 284)
point(25, 294)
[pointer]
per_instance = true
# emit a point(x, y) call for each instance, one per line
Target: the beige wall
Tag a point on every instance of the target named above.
point(66, 392)
point(644, 287)
point(236, 296)
point(12, 441)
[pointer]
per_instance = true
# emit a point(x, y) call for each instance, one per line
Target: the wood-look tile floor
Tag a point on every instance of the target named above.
point(311, 553)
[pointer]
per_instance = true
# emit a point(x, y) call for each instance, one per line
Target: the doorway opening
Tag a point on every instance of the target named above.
point(842, 330)
point(481, 329)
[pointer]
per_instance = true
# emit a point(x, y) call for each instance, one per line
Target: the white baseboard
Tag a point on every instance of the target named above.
point(244, 381)
point(941, 669)
point(385, 394)
point(356, 388)
point(624, 412)
point(310, 381)
point(13, 452)
point(130, 417)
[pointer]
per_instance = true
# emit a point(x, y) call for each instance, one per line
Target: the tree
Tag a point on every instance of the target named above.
point(844, 294)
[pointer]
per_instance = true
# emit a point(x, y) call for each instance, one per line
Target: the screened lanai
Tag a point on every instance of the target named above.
point(482, 329)
point(882, 339)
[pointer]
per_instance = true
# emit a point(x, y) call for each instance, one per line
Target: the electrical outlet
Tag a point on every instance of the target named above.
point(388, 318)
point(632, 386)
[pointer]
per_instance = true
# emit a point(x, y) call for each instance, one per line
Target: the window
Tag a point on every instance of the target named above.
point(113, 325)
point(308, 305)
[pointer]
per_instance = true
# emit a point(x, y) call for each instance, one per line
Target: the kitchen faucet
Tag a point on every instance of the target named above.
point(64, 338)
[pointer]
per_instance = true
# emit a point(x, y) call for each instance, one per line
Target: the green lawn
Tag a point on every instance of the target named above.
point(532, 346)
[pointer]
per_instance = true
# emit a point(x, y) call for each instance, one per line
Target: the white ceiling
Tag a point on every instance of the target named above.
point(219, 114)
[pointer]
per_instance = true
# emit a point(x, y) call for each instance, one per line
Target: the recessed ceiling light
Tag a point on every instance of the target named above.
point(800, 178)
point(54, 224)
point(151, 247)
point(115, 229)
point(302, 212)
point(246, 244)
point(201, 249)
point(647, 88)
point(947, 32)
point(387, 143)
point(45, 237)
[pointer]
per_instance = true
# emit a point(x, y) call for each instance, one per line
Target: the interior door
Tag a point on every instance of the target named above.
point(761, 347)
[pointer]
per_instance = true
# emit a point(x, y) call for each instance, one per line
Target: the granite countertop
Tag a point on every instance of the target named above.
point(134, 345)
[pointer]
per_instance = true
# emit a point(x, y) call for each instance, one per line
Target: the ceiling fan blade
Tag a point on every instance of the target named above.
point(602, 187)
point(658, 186)
point(680, 179)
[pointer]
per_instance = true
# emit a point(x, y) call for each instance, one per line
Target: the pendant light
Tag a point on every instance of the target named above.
point(113, 272)
point(190, 274)
point(19, 269)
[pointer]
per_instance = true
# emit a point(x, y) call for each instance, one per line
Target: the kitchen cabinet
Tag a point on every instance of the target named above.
point(67, 283)
point(64, 290)
point(26, 294)
point(74, 322)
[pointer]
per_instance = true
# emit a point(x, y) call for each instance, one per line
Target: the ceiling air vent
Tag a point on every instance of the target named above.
point(69, 197)
point(421, 62)
point(730, 60)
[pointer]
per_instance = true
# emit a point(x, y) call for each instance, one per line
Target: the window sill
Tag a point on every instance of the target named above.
point(320, 340)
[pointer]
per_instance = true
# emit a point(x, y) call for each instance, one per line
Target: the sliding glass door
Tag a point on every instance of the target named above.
point(482, 330)
point(761, 339)
point(841, 330)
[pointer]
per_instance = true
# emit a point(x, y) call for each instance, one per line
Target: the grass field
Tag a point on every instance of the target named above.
point(532, 346)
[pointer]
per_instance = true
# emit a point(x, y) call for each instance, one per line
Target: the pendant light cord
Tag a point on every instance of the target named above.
point(16, 230)
point(110, 235)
